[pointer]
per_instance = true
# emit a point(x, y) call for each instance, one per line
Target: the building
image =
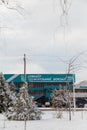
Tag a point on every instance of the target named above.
point(80, 93)
point(81, 89)
point(41, 85)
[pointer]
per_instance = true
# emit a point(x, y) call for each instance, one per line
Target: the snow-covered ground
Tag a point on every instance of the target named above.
point(49, 122)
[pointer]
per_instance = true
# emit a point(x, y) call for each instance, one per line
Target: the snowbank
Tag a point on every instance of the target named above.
point(49, 122)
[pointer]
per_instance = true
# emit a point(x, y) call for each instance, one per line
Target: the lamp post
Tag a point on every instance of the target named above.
point(74, 101)
point(74, 98)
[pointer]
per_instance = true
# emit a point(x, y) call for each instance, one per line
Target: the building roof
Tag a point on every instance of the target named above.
point(82, 84)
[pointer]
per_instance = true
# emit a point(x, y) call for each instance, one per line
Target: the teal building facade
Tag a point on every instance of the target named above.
point(41, 85)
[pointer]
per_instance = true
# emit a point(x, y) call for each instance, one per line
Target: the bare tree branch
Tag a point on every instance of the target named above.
point(14, 7)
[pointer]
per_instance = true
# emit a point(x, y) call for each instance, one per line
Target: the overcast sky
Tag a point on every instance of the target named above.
point(35, 28)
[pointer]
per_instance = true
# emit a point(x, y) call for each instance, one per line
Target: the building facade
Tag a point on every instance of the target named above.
point(41, 85)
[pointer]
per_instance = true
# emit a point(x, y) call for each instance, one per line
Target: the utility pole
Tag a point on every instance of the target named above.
point(25, 123)
point(24, 67)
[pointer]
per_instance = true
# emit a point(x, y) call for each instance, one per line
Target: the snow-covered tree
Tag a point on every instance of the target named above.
point(7, 94)
point(3, 94)
point(60, 99)
point(24, 108)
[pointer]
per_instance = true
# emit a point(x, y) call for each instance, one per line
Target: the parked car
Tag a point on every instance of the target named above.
point(39, 104)
point(47, 104)
point(80, 102)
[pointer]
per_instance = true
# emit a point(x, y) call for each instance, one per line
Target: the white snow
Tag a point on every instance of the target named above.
point(49, 122)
